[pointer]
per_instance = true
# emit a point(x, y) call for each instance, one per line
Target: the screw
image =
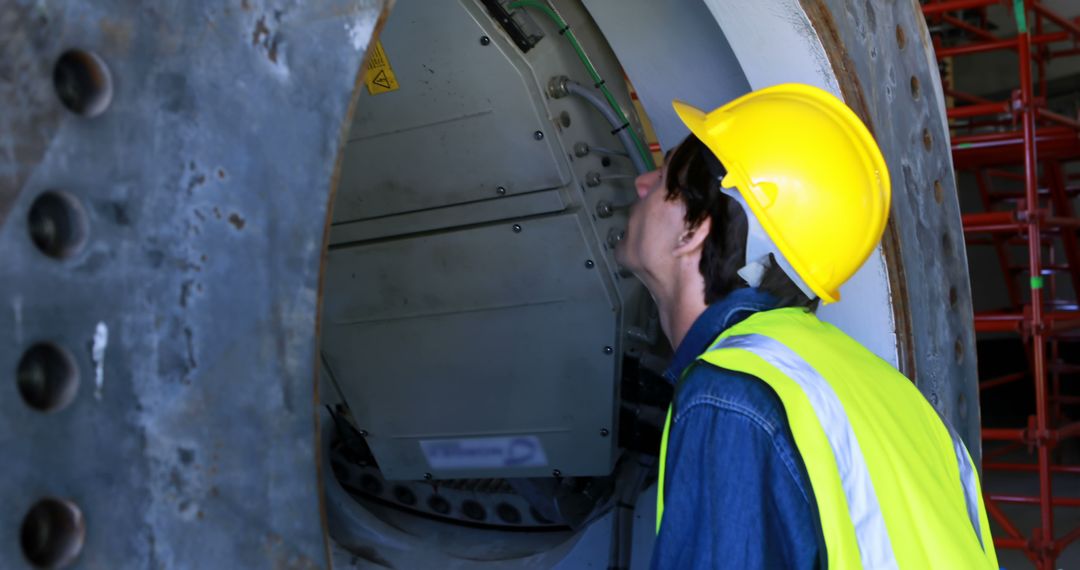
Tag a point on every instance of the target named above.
point(604, 432)
point(589, 264)
point(517, 228)
point(556, 473)
point(592, 179)
point(363, 433)
point(427, 476)
point(501, 191)
point(538, 135)
point(484, 40)
point(614, 236)
point(608, 350)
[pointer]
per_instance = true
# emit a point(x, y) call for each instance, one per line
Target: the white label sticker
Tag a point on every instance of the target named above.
point(484, 452)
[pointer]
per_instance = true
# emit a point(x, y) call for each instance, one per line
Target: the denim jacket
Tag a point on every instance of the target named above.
point(737, 495)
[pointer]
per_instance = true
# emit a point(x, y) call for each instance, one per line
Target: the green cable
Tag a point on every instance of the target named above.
point(566, 31)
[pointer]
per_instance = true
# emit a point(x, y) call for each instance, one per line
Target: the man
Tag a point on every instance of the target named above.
point(788, 444)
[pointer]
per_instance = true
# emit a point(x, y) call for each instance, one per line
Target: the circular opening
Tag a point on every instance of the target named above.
point(564, 119)
point(370, 484)
point(52, 533)
point(901, 37)
point(439, 505)
point(959, 348)
point(47, 377)
point(953, 296)
point(82, 82)
point(507, 513)
point(404, 496)
point(57, 224)
point(915, 92)
point(473, 510)
point(939, 192)
point(927, 140)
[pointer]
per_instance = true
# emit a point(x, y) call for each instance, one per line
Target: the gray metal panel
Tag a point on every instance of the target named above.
point(521, 205)
point(472, 114)
point(671, 50)
point(425, 349)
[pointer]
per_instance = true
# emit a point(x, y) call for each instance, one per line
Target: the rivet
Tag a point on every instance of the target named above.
point(538, 135)
point(589, 264)
point(484, 40)
point(604, 432)
point(516, 228)
point(556, 473)
point(501, 191)
point(363, 433)
point(608, 350)
point(427, 476)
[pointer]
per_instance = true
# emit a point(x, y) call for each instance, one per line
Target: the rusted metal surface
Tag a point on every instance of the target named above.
point(190, 310)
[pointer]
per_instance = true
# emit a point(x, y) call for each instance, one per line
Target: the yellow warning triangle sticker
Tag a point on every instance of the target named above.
point(379, 76)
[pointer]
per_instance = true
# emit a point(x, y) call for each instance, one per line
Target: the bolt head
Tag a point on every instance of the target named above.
point(538, 135)
point(484, 40)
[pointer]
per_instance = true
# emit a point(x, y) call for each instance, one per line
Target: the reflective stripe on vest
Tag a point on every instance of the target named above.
point(874, 546)
point(871, 546)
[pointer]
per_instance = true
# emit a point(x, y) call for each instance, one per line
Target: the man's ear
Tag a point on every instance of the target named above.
point(693, 238)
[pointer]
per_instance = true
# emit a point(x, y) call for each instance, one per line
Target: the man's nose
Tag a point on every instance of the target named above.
point(646, 182)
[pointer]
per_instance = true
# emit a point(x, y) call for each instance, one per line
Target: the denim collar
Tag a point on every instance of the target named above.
point(718, 317)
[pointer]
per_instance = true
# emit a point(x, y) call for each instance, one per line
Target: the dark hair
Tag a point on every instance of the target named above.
point(694, 177)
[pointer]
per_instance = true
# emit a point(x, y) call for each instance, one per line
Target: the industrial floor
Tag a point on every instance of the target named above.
point(1026, 517)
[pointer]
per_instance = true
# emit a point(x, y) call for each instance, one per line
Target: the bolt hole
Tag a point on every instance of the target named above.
point(370, 484)
point(927, 139)
point(901, 37)
point(82, 82)
point(946, 244)
point(473, 510)
point(564, 119)
point(915, 89)
point(939, 192)
point(439, 505)
point(52, 533)
point(57, 224)
point(961, 405)
point(47, 377)
point(959, 349)
point(404, 496)
point(954, 296)
point(507, 513)
point(605, 162)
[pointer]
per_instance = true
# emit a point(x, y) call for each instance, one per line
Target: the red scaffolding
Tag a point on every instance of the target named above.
point(1004, 143)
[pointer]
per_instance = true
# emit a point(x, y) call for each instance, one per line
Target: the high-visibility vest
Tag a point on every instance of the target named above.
point(895, 486)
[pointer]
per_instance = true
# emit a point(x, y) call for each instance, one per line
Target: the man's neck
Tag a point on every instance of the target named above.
point(681, 308)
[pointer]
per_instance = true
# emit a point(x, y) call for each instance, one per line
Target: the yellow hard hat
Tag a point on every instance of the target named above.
point(809, 170)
